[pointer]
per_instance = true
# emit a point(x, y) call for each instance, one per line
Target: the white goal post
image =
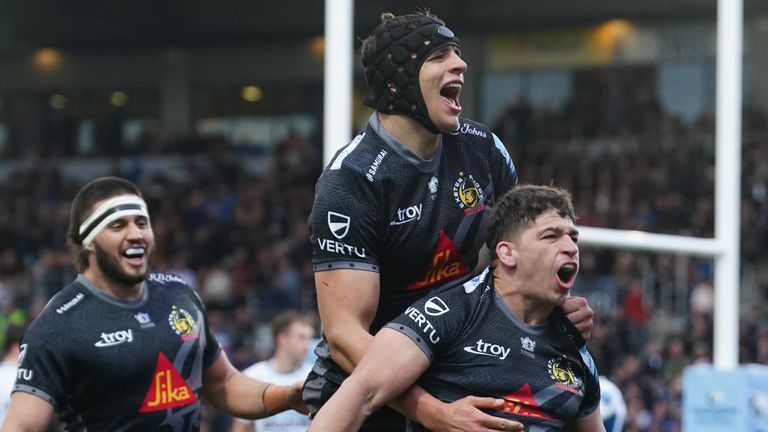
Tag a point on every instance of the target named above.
point(724, 248)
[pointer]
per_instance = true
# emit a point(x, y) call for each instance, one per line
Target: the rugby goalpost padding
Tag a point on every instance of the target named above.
point(724, 247)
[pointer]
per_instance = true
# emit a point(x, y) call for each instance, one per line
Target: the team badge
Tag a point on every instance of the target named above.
point(182, 323)
point(144, 320)
point(527, 343)
point(561, 371)
point(468, 194)
point(432, 185)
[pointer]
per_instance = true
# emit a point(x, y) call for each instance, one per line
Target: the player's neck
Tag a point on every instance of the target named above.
point(411, 134)
point(111, 286)
point(531, 311)
point(284, 363)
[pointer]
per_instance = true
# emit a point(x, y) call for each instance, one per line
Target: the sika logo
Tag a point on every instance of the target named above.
point(523, 403)
point(446, 264)
point(338, 224)
point(182, 323)
point(168, 388)
point(435, 307)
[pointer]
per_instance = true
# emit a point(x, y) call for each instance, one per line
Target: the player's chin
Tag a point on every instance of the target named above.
point(561, 297)
point(448, 125)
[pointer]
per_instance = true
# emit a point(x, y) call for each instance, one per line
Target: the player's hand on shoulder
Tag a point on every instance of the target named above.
point(581, 315)
point(294, 397)
point(467, 415)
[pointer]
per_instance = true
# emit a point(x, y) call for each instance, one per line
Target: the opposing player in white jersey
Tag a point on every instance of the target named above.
point(613, 409)
point(8, 367)
point(292, 334)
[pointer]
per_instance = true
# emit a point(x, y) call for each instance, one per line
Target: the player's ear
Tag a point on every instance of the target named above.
point(506, 253)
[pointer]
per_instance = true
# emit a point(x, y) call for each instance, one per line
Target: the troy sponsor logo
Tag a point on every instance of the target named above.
point(68, 305)
point(408, 214)
point(115, 338)
point(375, 165)
point(435, 307)
point(446, 264)
point(338, 224)
point(423, 323)
point(468, 129)
point(340, 248)
point(488, 349)
point(521, 402)
point(168, 388)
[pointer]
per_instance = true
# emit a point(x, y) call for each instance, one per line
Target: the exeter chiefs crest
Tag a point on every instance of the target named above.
point(561, 371)
point(182, 323)
point(468, 194)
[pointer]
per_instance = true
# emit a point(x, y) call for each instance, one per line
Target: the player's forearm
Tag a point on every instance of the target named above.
point(347, 347)
point(345, 411)
point(416, 404)
point(252, 399)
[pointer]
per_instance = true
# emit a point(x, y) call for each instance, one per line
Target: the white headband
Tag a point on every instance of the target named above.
point(109, 211)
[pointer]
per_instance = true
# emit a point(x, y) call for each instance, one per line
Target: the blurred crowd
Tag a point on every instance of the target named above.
point(239, 236)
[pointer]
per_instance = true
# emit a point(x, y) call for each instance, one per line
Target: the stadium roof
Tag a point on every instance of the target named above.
point(98, 24)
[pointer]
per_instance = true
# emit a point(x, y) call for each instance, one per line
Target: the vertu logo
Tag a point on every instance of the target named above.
point(338, 224)
point(435, 307)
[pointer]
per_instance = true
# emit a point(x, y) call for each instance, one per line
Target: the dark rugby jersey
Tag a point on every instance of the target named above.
point(478, 347)
point(111, 365)
point(419, 223)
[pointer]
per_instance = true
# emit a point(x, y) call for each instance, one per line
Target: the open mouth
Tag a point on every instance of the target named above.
point(567, 273)
point(451, 92)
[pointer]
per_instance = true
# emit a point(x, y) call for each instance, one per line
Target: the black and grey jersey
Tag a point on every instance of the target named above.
point(477, 347)
point(106, 364)
point(419, 223)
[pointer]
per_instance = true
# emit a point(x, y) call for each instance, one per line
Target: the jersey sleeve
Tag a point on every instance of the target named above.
point(502, 167)
point(343, 222)
point(591, 384)
point(433, 322)
point(42, 368)
point(212, 347)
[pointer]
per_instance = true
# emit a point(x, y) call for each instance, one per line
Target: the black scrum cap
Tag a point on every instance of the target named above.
point(392, 63)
